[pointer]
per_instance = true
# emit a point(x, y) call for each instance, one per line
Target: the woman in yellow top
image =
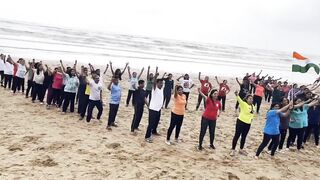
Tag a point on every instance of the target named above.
point(177, 113)
point(243, 122)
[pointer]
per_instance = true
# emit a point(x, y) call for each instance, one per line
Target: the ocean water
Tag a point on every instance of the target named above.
point(28, 40)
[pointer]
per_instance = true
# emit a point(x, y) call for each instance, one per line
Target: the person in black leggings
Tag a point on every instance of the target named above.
point(167, 91)
point(139, 103)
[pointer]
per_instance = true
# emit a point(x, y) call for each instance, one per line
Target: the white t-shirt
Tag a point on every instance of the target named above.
point(1, 65)
point(38, 78)
point(133, 83)
point(21, 71)
point(8, 68)
point(156, 99)
point(95, 90)
point(186, 84)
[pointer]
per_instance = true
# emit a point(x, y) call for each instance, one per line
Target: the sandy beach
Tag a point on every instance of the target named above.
point(37, 143)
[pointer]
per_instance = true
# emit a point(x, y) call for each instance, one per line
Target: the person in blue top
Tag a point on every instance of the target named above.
point(314, 124)
point(115, 98)
point(271, 129)
point(297, 121)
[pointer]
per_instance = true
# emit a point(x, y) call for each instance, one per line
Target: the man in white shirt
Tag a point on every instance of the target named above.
point(8, 73)
point(95, 99)
point(155, 108)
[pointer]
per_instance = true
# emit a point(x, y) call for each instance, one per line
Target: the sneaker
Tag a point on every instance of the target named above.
point(168, 142)
point(232, 152)
point(178, 140)
point(41, 103)
point(243, 152)
point(256, 157)
point(114, 125)
point(156, 134)
point(148, 140)
point(317, 146)
point(212, 146)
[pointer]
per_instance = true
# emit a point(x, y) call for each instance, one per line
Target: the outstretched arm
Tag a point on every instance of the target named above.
point(260, 72)
point(110, 84)
point(148, 73)
point(179, 78)
point(155, 79)
point(238, 82)
point(141, 73)
point(217, 79)
point(164, 74)
point(129, 72)
point(62, 67)
point(124, 70)
point(199, 77)
point(105, 71)
point(111, 68)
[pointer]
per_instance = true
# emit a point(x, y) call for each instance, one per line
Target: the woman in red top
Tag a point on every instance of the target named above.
point(209, 116)
point(56, 88)
point(206, 86)
point(223, 91)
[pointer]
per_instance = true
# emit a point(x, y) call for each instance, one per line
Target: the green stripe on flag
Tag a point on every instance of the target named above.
point(304, 69)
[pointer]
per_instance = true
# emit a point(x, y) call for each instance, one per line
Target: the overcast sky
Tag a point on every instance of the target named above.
point(289, 25)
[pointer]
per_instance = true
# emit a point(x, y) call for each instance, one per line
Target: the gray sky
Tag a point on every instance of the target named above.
point(289, 25)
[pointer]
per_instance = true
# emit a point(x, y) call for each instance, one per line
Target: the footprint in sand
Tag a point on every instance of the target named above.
point(232, 176)
point(30, 139)
point(45, 161)
point(113, 145)
point(15, 147)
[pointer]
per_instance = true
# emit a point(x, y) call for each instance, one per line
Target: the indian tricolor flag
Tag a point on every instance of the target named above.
point(302, 64)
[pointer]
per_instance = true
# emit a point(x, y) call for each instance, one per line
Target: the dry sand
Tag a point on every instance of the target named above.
point(44, 144)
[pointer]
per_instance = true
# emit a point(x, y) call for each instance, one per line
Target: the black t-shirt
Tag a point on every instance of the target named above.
point(139, 95)
point(48, 80)
point(244, 89)
point(168, 84)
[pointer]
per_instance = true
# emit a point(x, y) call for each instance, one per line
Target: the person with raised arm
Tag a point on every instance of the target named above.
point(95, 97)
point(139, 103)
point(258, 95)
point(30, 76)
point(223, 91)
point(118, 73)
point(298, 119)
point(56, 88)
point(206, 86)
point(209, 116)
point(187, 85)
point(2, 66)
point(168, 89)
point(133, 81)
point(71, 87)
point(313, 124)
point(84, 92)
point(115, 99)
point(177, 114)
point(8, 73)
point(243, 123)
point(38, 87)
point(20, 73)
point(271, 128)
point(252, 80)
point(150, 80)
point(155, 106)
point(244, 90)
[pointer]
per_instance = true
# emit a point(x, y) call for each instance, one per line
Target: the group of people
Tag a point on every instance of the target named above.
point(292, 109)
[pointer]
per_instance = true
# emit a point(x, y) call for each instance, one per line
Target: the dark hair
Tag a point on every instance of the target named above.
point(274, 104)
point(38, 66)
point(246, 98)
point(169, 74)
point(178, 87)
point(140, 82)
point(159, 80)
point(211, 92)
point(118, 74)
point(301, 108)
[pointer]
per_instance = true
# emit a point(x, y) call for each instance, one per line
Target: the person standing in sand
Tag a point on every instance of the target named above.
point(2, 57)
point(133, 81)
point(155, 106)
point(271, 130)
point(206, 87)
point(223, 91)
point(38, 87)
point(209, 116)
point(149, 86)
point(20, 73)
point(177, 114)
point(115, 99)
point(168, 88)
point(244, 90)
point(118, 73)
point(243, 123)
point(71, 87)
point(258, 95)
point(252, 80)
point(95, 97)
point(8, 73)
point(187, 85)
point(140, 100)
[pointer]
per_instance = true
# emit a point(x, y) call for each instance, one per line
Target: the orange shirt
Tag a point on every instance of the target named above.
point(179, 105)
point(259, 91)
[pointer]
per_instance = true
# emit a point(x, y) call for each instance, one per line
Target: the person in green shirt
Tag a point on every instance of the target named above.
point(243, 122)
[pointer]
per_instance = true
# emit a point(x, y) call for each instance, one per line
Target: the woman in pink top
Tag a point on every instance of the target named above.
point(55, 95)
point(252, 79)
point(259, 93)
